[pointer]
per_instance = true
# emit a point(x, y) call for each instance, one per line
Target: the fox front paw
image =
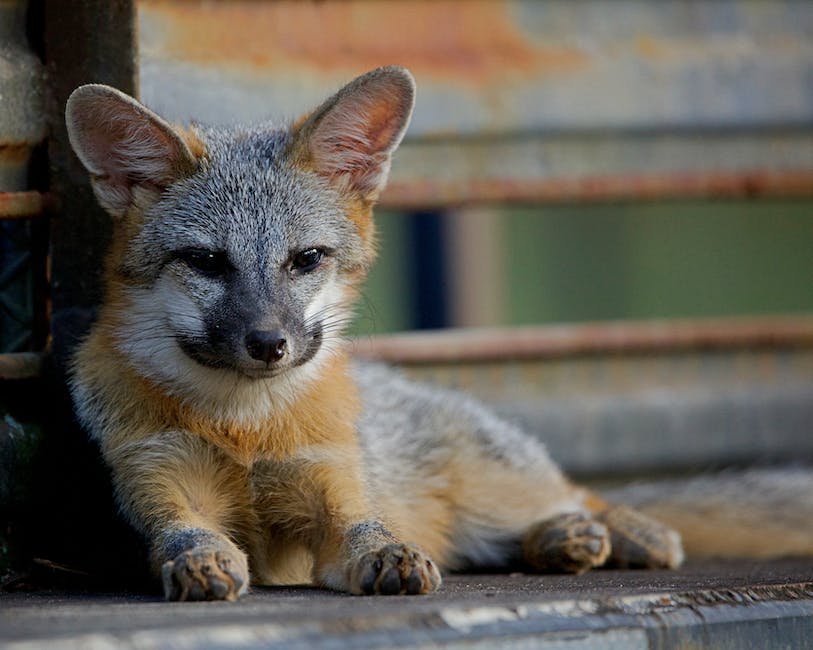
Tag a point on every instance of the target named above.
point(568, 543)
point(392, 570)
point(205, 573)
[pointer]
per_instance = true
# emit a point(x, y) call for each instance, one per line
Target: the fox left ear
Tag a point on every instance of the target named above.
point(351, 137)
point(124, 146)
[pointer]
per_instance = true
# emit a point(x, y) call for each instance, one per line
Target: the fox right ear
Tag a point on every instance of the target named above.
point(127, 149)
point(350, 138)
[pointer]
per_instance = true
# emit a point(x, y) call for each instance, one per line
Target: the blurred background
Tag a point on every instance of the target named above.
point(568, 160)
point(631, 180)
point(570, 164)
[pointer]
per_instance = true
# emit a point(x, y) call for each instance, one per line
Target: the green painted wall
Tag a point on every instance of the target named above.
point(384, 306)
point(658, 260)
point(629, 261)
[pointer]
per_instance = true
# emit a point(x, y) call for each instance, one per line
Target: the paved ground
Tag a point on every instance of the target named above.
point(726, 605)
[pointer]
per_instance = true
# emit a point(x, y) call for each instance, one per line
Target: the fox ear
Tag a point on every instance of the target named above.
point(125, 147)
point(350, 138)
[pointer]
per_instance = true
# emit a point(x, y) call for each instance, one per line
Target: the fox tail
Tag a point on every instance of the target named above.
point(756, 513)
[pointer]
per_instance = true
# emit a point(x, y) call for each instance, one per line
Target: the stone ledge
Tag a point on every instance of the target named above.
point(721, 604)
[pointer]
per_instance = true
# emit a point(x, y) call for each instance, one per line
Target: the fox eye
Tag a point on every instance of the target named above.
point(212, 264)
point(307, 260)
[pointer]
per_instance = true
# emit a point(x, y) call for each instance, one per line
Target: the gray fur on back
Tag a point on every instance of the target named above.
point(425, 425)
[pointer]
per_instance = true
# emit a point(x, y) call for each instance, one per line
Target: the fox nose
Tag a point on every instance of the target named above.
point(266, 346)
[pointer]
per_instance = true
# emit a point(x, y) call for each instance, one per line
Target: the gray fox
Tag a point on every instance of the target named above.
point(244, 442)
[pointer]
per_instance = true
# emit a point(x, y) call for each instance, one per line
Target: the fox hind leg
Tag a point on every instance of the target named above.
point(566, 543)
point(602, 535)
point(640, 542)
point(617, 537)
point(637, 540)
point(509, 503)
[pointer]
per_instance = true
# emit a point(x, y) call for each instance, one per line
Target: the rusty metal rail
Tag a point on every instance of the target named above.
point(20, 365)
point(21, 205)
point(503, 344)
point(420, 193)
point(557, 341)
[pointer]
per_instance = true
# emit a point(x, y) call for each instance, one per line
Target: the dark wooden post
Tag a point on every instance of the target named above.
point(66, 515)
point(86, 41)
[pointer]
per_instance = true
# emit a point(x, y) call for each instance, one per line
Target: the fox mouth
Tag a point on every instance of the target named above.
point(315, 338)
point(199, 352)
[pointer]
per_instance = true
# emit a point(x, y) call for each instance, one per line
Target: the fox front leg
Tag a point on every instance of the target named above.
point(322, 496)
point(205, 566)
point(379, 564)
point(210, 568)
point(184, 495)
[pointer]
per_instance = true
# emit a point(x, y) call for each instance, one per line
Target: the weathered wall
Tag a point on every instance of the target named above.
point(544, 103)
point(519, 100)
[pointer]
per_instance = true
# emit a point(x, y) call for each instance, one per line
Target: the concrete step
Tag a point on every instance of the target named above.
point(712, 605)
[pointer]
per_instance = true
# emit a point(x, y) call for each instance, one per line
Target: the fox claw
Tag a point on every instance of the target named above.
point(639, 541)
point(392, 570)
point(568, 543)
point(205, 574)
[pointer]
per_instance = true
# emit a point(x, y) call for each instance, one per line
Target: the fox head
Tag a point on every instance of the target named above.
point(239, 250)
